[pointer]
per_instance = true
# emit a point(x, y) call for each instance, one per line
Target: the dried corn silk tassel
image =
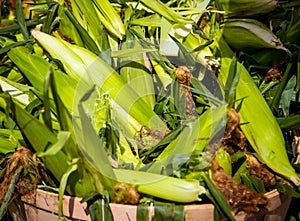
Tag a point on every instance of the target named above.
point(233, 136)
point(183, 76)
point(240, 198)
point(260, 171)
point(31, 173)
point(125, 194)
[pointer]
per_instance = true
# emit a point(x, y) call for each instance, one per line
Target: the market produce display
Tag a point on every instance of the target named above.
point(150, 102)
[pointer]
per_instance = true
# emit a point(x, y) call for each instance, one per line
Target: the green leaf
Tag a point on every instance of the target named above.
point(16, 27)
point(40, 138)
point(257, 184)
point(130, 52)
point(9, 193)
point(142, 212)
point(218, 197)
point(85, 36)
point(149, 21)
point(21, 19)
point(100, 211)
point(293, 33)
point(69, 28)
point(289, 123)
point(243, 169)
point(188, 58)
point(47, 110)
point(158, 148)
point(13, 45)
point(200, 89)
point(50, 18)
point(63, 183)
point(62, 137)
point(165, 11)
point(168, 211)
point(35, 69)
point(6, 146)
point(246, 180)
point(287, 189)
point(287, 95)
point(134, 71)
point(232, 81)
point(276, 99)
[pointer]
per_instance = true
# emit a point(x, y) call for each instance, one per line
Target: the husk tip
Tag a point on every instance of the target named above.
point(295, 180)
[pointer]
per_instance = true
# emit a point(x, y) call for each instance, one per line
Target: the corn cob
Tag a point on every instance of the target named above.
point(261, 128)
point(165, 187)
point(82, 63)
point(35, 69)
point(136, 77)
point(136, 115)
point(165, 11)
point(91, 13)
point(249, 34)
point(248, 7)
point(110, 18)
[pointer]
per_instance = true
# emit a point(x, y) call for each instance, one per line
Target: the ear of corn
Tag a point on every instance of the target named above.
point(259, 125)
point(91, 14)
point(248, 7)
point(72, 29)
point(165, 187)
point(73, 63)
point(89, 66)
point(165, 11)
point(109, 17)
point(131, 71)
point(35, 69)
point(249, 34)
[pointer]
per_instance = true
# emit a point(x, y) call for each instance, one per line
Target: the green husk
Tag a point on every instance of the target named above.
point(259, 124)
point(255, 35)
point(248, 7)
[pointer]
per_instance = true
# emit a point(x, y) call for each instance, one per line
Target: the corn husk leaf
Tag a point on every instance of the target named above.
point(165, 11)
point(256, 35)
point(110, 18)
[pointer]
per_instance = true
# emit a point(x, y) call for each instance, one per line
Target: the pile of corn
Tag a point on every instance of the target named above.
point(149, 93)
